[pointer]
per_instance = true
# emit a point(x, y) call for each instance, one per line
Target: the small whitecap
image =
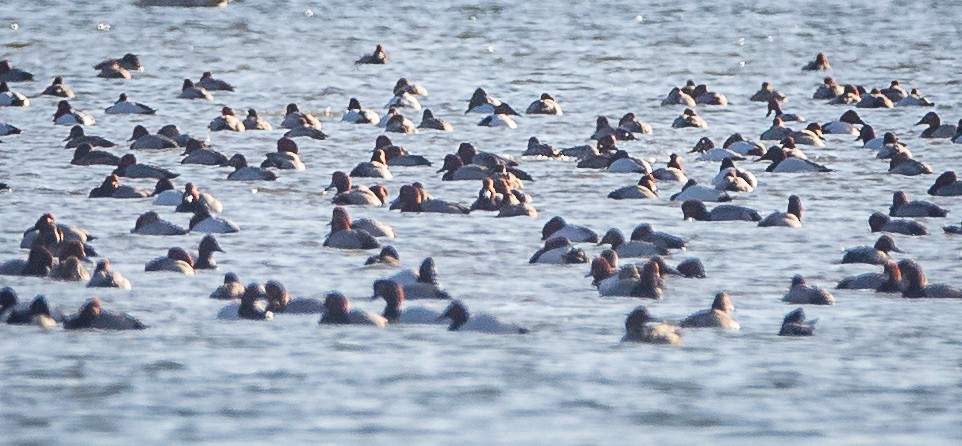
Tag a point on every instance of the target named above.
point(490, 48)
point(770, 38)
point(14, 26)
point(103, 27)
point(309, 13)
point(472, 18)
point(639, 18)
point(742, 63)
point(254, 190)
point(741, 41)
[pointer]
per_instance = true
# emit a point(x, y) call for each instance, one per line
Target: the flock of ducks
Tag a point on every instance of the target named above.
point(60, 252)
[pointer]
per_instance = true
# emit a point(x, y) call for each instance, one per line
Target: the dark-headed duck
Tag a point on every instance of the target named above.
point(343, 236)
point(641, 327)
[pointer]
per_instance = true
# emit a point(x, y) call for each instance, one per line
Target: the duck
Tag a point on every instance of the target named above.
point(874, 99)
point(293, 115)
point(244, 172)
point(190, 91)
point(632, 248)
point(744, 147)
point(877, 254)
point(631, 123)
point(177, 260)
point(890, 146)
point(828, 89)
point(733, 179)
point(69, 269)
point(707, 151)
point(775, 107)
point(207, 82)
point(916, 285)
point(795, 324)
point(10, 74)
point(545, 105)
point(766, 93)
point(303, 128)
point(130, 168)
point(611, 281)
point(376, 168)
point(888, 281)
point(903, 164)
point(285, 158)
point(61, 232)
point(227, 120)
point(84, 155)
point(248, 308)
point(393, 295)
point(869, 141)
point(378, 57)
point(143, 140)
point(811, 135)
point(279, 301)
point(777, 131)
point(67, 115)
point(622, 162)
point(350, 194)
point(202, 221)
point(421, 284)
point(935, 127)
point(412, 199)
point(915, 99)
point(37, 313)
point(558, 250)
point(851, 95)
point(845, 125)
point(881, 222)
point(689, 118)
point(39, 262)
point(198, 154)
point(481, 102)
point(403, 99)
point(650, 285)
point(717, 316)
point(173, 133)
point(819, 64)
point(77, 137)
point(231, 289)
point(957, 139)
point(694, 191)
point(645, 189)
point(255, 122)
point(111, 188)
point(783, 162)
point(696, 210)
point(663, 240)
point(104, 277)
point(429, 121)
point(500, 117)
point(124, 106)
point(192, 200)
point(946, 185)
point(11, 98)
point(469, 154)
point(894, 92)
point(791, 218)
point(374, 227)
point(403, 86)
point(678, 97)
point(705, 97)
point(537, 148)
point(455, 170)
point(91, 315)
point(357, 115)
point(129, 61)
point(801, 293)
point(640, 326)
point(58, 89)
point(165, 194)
point(462, 320)
point(337, 310)
point(113, 71)
point(343, 236)
point(387, 257)
point(557, 227)
point(150, 223)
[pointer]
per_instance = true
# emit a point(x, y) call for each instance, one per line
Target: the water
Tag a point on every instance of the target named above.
point(878, 367)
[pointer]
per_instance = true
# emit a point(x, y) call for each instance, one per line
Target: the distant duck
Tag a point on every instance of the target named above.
point(874, 99)
point(845, 125)
point(398, 123)
point(782, 162)
point(91, 315)
point(207, 82)
point(343, 236)
point(280, 302)
point(915, 99)
point(244, 172)
point(104, 277)
point(462, 320)
point(387, 257)
point(230, 290)
point(696, 210)
point(375, 168)
point(766, 93)
point(903, 164)
point(378, 57)
point(603, 128)
point(880, 222)
point(39, 262)
point(689, 118)
point(717, 316)
point(190, 91)
point(537, 148)
point(304, 128)
point(706, 150)
point(285, 158)
point(423, 283)
point(77, 137)
point(130, 168)
point(248, 309)
point(357, 115)
point(792, 218)
point(414, 199)
point(795, 324)
point(351, 194)
point(888, 281)
point(11, 98)
point(645, 189)
point(500, 117)
point(123, 106)
point(293, 115)
point(481, 102)
point(694, 191)
point(632, 248)
point(69, 269)
point(143, 140)
point(916, 285)
point(546, 105)
point(128, 62)
point(403, 86)
point(557, 250)
point(337, 311)
point(811, 135)
point(67, 115)
point(203, 222)
point(10, 74)
point(428, 121)
point(111, 188)
point(227, 120)
point(404, 100)
point(558, 227)
point(631, 123)
point(894, 92)
point(663, 240)
point(874, 255)
point(173, 133)
point(197, 154)
point(150, 223)
point(776, 108)
point(255, 122)
point(705, 97)
point(819, 64)
point(777, 131)
point(935, 127)
point(673, 171)
point(641, 327)
point(113, 70)
point(734, 179)
point(829, 89)
point(678, 97)
point(622, 162)
point(946, 185)
point(84, 155)
point(801, 293)
point(851, 95)
point(394, 296)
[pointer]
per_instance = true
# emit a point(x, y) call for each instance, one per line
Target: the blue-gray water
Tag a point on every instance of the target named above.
point(878, 367)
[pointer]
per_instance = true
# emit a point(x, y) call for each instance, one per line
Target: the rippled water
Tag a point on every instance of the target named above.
point(877, 367)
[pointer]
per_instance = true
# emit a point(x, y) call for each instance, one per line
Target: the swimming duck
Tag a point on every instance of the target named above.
point(304, 128)
point(888, 281)
point(69, 269)
point(777, 131)
point(357, 115)
point(403, 86)
point(881, 222)
point(903, 164)
point(104, 277)
point(916, 285)
point(499, 118)
point(337, 310)
point(784, 161)
point(795, 324)
point(378, 57)
point(678, 97)
point(801, 293)
point(673, 171)
point(243, 172)
point(398, 123)
point(874, 99)
point(738, 144)
point(393, 295)
point(177, 260)
point(953, 229)
point(11, 98)
point(207, 82)
point(733, 179)
point(130, 168)
point(190, 91)
point(388, 257)
point(890, 147)
point(374, 227)
point(603, 128)
point(150, 223)
point(60, 232)
point(205, 253)
point(558, 250)
point(10, 74)
point(376, 168)
point(694, 191)
point(696, 210)
point(113, 71)
point(811, 135)
point(84, 155)
point(546, 105)
point(173, 133)
point(650, 284)
point(869, 141)
point(622, 162)
point(829, 89)
point(792, 218)
point(689, 118)
point(58, 88)
point(558, 227)
point(935, 127)
point(894, 92)
point(631, 123)
point(403, 100)
point(915, 99)
point(248, 308)
point(124, 106)
point(285, 158)
point(850, 95)
point(819, 64)
point(645, 189)
point(767, 93)
point(143, 140)
point(641, 327)
point(230, 290)
point(775, 107)
point(421, 284)
point(293, 115)
point(254, 122)
point(463, 320)
point(128, 62)
point(845, 125)
point(39, 262)
point(481, 102)
point(413, 199)
point(537, 148)
point(343, 236)
point(165, 195)
point(946, 185)
point(455, 170)
point(111, 188)
point(718, 316)
point(197, 154)
point(202, 221)
point(428, 121)
point(873, 255)
point(91, 315)
point(279, 301)
point(470, 154)
point(612, 281)
point(705, 97)
point(633, 248)
point(349, 194)
point(66, 115)
point(707, 151)
point(77, 137)
point(227, 120)
point(663, 240)
point(37, 313)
